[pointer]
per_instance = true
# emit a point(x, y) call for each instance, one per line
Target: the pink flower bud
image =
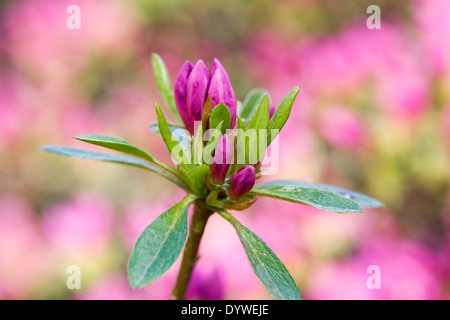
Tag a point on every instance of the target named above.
point(272, 111)
point(242, 182)
point(191, 87)
point(221, 90)
point(180, 90)
point(222, 159)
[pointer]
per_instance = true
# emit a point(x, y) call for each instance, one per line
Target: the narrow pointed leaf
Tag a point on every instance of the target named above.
point(321, 199)
point(183, 138)
point(265, 264)
point(251, 103)
point(197, 148)
point(251, 141)
point(116, 144)
point(240, 124)
point(361, 199)
point(259, 121)
point(171, 142)
point(282, 113)
point(163, 84)
point(117, 158)
point(154, 128)
point(159, 245)
point(121, 145)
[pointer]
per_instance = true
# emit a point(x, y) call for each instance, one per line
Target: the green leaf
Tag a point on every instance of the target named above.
point(259, 121)
point(218, 114)
point(118, 158)
point(173, 145)
point(117, 144)
point(281, 114)
point(121, 145)
point(321, 199)
point(197, 148)
point(154, 128)
point(240, 123)
point(265, 264)
point(159, 245)
point(163, 83)
point(197, 179)
point(178, 131)
point(251, 145)
point(361, 199)
point(251, 103)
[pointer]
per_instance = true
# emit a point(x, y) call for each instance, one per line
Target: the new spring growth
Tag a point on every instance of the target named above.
point(242, 182)
point(222, 158)
point(206, 96)
point(193, 84)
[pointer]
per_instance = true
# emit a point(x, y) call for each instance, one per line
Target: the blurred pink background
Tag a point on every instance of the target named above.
point(372, 115)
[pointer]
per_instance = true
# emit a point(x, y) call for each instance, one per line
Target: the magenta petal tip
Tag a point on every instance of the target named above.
point(242, 182)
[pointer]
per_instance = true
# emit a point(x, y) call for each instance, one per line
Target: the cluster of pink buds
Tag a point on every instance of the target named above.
point(193, 85)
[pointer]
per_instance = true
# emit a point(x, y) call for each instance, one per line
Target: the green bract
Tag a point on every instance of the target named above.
point(251, 102)
point(282, 113)
point(219, 114)
point(161, 243)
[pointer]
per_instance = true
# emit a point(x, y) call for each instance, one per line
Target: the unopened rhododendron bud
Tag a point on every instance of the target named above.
point(242, 182)
point(222, 159)
point(192, 87)
point(221, 90)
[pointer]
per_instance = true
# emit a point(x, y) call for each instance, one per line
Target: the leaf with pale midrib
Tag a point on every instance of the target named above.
point(114, 143)
point(170, 141)
point(321, 199)
point(281, 114)
point(164, 84)
point(115, 158)
point(361, 199)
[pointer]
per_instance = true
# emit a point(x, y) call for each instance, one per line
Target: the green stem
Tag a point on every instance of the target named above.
point(199, 220)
